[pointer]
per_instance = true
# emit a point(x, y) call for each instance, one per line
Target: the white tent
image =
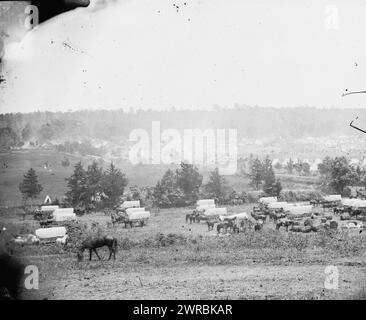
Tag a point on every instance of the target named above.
point(47, 200)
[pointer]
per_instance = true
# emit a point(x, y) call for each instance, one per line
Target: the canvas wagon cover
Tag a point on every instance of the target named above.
point(278, 205)
point(205, 202)
point(49, 208)
point(299, 210)
point(267, 200)
point(137, 215)
point(130, 204)
point(205, 207)
point(242, 215)
point(333, 197)
point(55, 232)
point(216, 211)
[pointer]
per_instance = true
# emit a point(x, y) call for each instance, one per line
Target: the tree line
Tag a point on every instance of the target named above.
point(251, 122)
point(93, 187)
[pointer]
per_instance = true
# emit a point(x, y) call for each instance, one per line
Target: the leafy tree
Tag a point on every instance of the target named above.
point(278, 166)
point(298, 167)
point(189, 180)
point(56, 202)
point(65, 162)
point(26, 132)
point(113, 185)
point(8, 137)
point(256, 173)
point(167, 193)
point(78, 194)
point(341, 174)
point(336, 174)
point(216, 186)
point(306, 168)
point(266, 167)
point(325, 168)
point(290, 166)
point(29, 187)
point(160, 199)
point(94, 177)
point(271, 186)
point(46, 132)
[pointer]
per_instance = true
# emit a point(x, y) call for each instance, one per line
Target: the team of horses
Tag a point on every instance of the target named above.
point(225, 225)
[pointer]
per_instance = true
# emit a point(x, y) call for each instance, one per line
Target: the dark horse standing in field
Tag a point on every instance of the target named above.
point(93, 243)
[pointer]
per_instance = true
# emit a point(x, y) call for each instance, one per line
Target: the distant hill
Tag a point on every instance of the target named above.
point(115, 126)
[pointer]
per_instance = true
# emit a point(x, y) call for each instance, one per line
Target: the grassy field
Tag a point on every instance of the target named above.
point(172, 259)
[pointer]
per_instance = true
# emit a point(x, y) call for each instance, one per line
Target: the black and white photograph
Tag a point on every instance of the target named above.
point(196, 151)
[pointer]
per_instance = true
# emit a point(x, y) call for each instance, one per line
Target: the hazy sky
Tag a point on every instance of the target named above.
point(145, 54)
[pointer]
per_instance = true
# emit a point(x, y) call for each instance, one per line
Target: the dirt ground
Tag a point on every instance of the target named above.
point(200, 282)
point(181, 271)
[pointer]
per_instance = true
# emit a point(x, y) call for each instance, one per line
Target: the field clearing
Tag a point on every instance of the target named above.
point(172, 259)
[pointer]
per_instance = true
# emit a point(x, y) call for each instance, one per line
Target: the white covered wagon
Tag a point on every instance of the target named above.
point(134, 216)
point(50, 233)
point(49, 208)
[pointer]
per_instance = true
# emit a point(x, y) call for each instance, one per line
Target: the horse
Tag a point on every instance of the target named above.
point(210, 224)
point(284, 223)
point(223, 225)
point(116, 218)
point(97, 242)
point(259, 225)
point(191, 217)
